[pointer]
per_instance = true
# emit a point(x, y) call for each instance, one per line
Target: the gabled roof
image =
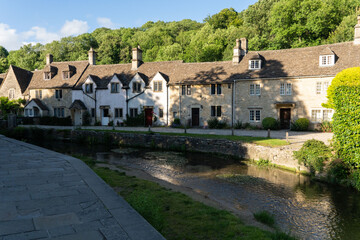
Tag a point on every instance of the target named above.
point(39, 103)
point(57, 81)
point(23, 77)
point(2, 77)
point(326, 51)
point(78, 104)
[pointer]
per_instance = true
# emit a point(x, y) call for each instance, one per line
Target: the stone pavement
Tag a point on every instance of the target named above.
point(48, 195)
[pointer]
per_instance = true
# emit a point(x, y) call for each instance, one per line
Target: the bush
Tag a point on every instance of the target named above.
point(55, 121)
point(238, 125)
point(313, 154)
point(326, 126)
point(86, 117)
point(138, 120)
point(97, 123)
point(222, 124)
point(213, 123)
point(270, 123)
point(301, 124)
point(177, 121)
point(337, 171)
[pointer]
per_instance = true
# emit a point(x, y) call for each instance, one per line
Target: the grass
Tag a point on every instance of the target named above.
point(177, 216)
point(265, 218)
point(263, 141)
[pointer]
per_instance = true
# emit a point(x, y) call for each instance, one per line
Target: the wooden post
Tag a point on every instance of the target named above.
point(149, 128)
point(268, 135)
point(287, 136)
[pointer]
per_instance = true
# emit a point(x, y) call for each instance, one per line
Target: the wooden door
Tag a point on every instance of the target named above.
point(195, 117)
point(285, 118)
point(148, 116)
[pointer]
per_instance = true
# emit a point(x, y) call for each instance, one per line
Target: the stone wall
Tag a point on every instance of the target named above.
point(280, 156)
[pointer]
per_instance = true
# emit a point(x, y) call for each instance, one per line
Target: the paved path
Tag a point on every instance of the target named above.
point(294, 137)
point(44, 194)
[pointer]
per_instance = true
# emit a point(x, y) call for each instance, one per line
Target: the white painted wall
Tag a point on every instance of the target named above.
point(86, 98)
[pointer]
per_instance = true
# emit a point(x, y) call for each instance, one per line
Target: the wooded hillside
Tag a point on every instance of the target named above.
point(268, 24)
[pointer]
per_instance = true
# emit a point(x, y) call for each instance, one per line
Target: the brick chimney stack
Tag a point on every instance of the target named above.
point(237, 52)
point(357, 32)
point(136, 58)
point(244, 46)
point(49, 59)
point(92, 57)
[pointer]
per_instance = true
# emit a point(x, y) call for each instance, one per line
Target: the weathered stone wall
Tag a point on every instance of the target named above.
point(280, 156)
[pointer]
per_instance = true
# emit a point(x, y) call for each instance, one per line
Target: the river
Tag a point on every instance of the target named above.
point(304, 208)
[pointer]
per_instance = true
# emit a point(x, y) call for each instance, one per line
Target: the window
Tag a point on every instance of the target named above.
point(229, 85)
point(255, 64)
point(320, 115)
point(285, 89)
point(157, 86)
point(318, 88)
point(212, 89)
point(327, 60)
point(38, 94)
point(215, 111)
point(93, 112)
point(254, 115)
point(89, 88)
point(58, 94)
point(188, 89)
point(161, 113)
point(47, 75)
point(326, 86)
point(255, 89)
point(11, 93)
point(183, 90)
point(136, 87)
point(217, 87)
point(118, 112)
point(29, 112)
point(133, 112)
point(115, 87)
point(66, 75)
point(59, 112)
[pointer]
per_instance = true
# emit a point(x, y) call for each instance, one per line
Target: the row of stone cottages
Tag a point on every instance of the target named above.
point(283, 84)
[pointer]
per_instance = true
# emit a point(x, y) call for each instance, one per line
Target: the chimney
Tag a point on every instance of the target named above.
point(237, 50)
point(92, 57)
point(244, 47)
point(49, 59)
point(136, 58)
point(357, 32)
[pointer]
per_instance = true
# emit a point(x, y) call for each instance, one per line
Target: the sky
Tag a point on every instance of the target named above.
point(42, 21)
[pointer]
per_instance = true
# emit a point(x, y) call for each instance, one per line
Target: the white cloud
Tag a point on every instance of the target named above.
point(8, 37)
point(105, 22)
point(74, 27)
point(41, 35)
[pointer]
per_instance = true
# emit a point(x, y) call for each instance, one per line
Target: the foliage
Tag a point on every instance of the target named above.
point(263, 163)
point(86, 117)
point(326, 126)
point(270, 123)
point(338, 171)
point(301, 124)
point(215, 123)
point(138, 120)
point(313, 154)
point(238, 125)
point(268, 24)
point(344, 98)
point(10, 106)
point(265, 217)
point(55, 121)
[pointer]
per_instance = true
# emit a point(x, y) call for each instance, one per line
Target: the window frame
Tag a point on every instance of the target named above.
point(47, 75)
point(254, 115)
point(157, 86)
point(183, 90)
point(59, 112)
point(326, 60)
point(255, 89)
point(136, 87)
point(133, 112)
point(118, 112)
point(115, 89)
point(188, 89)
point(320, 117)
point(89, 88)
point(255, 64)
point(38, 93)
point(212, 90)
point(66, 75)
point(11, 93)
point(285, 89)
point(58, 94)
point(161, 113)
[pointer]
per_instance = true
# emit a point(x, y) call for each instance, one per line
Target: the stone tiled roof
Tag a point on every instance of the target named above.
point(39, 103)
point(78, 104)
point(57, 81)
point(23, 77)
point(2, 77)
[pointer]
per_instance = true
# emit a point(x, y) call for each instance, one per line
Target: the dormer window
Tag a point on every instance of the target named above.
point(47, 75)
point(326, 60)
point(89, 88)
point(136, 87)
point(115, 87)
point(254, 64)
point(66, 75)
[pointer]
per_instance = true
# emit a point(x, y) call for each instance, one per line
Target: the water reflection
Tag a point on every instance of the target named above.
point(310, 210)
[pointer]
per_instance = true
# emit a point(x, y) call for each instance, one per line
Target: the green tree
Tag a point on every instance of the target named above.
point(224, 19)
point(10, 106)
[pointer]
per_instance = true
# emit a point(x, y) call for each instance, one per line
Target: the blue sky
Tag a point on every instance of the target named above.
point(32, 21)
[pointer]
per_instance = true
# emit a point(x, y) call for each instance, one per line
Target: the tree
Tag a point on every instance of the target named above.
point(10, 106)
point(224, 19)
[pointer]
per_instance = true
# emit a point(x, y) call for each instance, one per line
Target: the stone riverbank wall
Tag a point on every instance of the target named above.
point(282, 156)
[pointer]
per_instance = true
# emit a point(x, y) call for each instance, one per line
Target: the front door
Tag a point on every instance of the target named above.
point(148, 116)
point(105, 118)
point(195, 115)
point(77, 117)
point(285, 118)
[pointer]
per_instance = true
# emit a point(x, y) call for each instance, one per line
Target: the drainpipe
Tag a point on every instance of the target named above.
point(167, 104)
point(180, 102)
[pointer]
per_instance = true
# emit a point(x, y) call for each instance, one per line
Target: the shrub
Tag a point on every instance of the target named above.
point(97, 123)
point(238, 125)
point(86, 117)
point(326, 126)
point(270, 123)
point(301, 124)
point(177, 121)
point(213, 123)
point(313, 154)
point(111, 123)
point(55, 121)
point(138, 120)
point(338, 171)
point(222, 124)
point(265, 218)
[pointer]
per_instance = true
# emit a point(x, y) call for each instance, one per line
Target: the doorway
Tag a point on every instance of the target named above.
point(195, 117)
point(285, 118)
point(148, 116)
point(105, 118)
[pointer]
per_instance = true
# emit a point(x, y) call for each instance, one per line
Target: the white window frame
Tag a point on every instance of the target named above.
point(118, 113)
point(157, 86)
point(318, 88)
point(254, 64)
point(11, 93)
point(288, 89)
point(254, 115)
point(255, 89)
point(320, 117)
point(326, 60)
point(47, 75)
point(66, 75)
point(29, 112)
point(136, 87)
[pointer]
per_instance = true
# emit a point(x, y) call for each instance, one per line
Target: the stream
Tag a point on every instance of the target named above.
point(304, 208)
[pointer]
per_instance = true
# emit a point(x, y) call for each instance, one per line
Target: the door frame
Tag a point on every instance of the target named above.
point(148, 108)
point(192, 117)
point(281, 119)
